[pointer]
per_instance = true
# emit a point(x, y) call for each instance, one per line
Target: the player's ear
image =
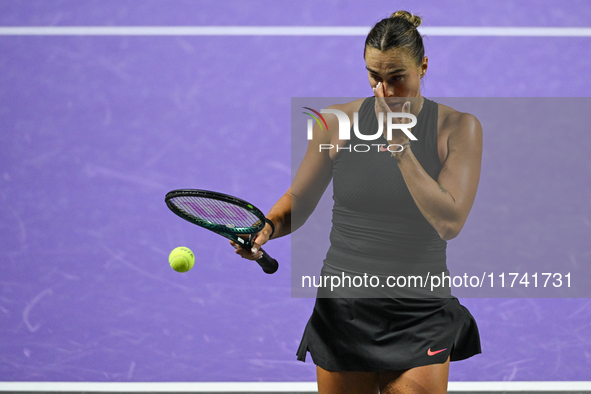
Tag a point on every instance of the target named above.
point(424, 66)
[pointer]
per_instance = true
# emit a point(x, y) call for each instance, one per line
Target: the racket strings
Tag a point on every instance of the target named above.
point(217, 212)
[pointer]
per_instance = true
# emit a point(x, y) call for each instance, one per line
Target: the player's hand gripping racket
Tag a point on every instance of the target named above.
point(223, 214)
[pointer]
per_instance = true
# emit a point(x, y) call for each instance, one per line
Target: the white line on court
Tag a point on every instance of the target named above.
point(284, 31)
point(262, 387)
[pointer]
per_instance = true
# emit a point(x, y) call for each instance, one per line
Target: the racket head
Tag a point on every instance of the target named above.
point(221, 213)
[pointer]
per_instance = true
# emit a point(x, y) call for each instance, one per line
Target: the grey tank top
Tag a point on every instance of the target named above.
point(377, 227)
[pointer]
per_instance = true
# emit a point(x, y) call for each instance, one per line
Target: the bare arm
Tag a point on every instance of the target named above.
point(292, 210)
point(446, 203)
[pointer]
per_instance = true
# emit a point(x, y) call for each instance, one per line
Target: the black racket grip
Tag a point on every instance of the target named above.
point(268, 263)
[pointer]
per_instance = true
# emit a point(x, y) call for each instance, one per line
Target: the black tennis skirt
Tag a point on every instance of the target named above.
point(375, 334)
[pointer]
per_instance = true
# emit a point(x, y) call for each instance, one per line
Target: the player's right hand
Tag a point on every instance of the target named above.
point(259, 240)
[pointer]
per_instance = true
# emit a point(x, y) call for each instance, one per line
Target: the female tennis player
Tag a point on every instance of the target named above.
point(394, 207)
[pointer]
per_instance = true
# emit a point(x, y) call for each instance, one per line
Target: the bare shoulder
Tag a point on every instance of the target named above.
point(333, 123)
point(322, 135)
point(457, 131)
point(453, 123)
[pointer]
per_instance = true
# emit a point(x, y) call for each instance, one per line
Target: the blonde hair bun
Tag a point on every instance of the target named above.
point(414, 20)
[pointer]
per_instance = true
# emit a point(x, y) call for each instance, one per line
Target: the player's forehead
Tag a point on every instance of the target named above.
point(390, 61)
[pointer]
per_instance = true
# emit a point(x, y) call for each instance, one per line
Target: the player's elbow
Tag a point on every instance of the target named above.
point(450, 230)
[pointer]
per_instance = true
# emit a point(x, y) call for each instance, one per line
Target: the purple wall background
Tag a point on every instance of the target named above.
point(95, 130)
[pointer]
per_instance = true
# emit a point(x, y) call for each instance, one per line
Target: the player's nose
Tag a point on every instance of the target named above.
point(388, 90)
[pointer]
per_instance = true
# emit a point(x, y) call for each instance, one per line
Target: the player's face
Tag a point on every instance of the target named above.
point(396, 70)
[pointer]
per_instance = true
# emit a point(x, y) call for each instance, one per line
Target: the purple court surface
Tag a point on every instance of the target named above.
point(96, 128)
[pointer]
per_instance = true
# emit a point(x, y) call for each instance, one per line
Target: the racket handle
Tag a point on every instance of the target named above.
point(268, 263)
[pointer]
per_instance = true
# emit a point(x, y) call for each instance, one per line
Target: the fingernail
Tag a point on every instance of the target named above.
point(254, 250)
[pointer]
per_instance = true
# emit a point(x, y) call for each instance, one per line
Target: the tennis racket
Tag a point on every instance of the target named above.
point(225, 215)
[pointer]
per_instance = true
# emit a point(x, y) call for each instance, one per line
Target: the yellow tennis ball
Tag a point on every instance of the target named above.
point(181, 259)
